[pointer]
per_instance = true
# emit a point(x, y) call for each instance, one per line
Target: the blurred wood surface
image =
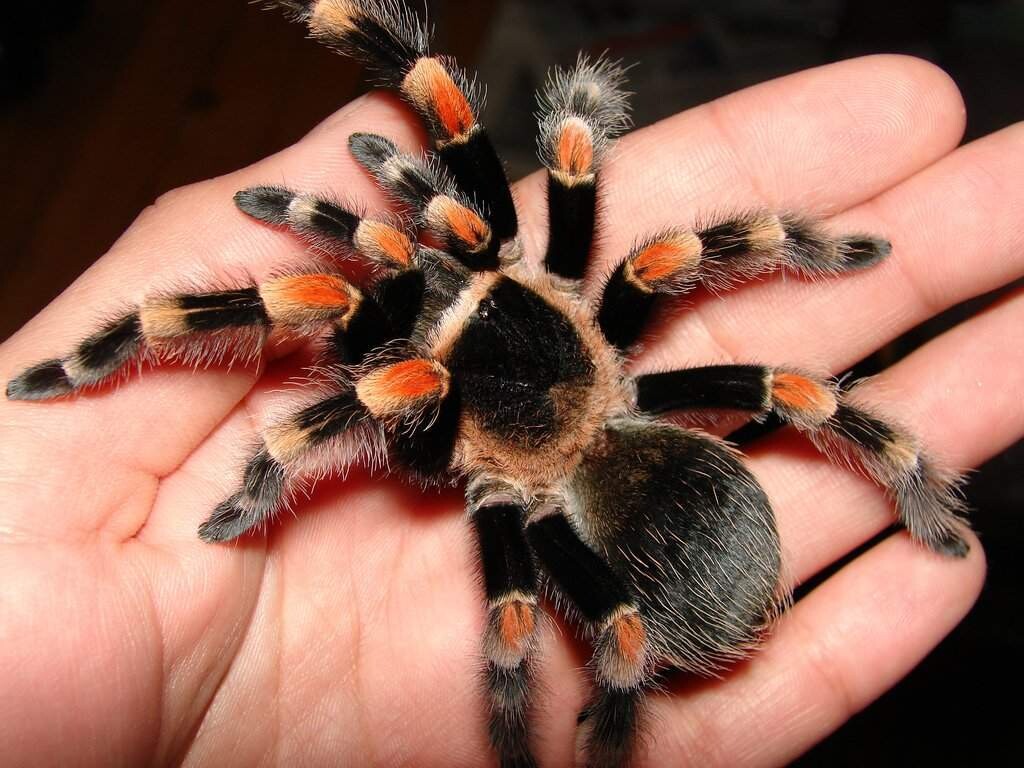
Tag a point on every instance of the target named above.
point(140, 98)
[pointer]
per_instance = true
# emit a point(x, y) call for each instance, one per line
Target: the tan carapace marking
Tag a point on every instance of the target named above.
point(445, 216)
point(449, 327)
point(382, 242)
point(430, 87)
point(295, 300)
point(403, 388)
point(661, 261)
point(583, 407)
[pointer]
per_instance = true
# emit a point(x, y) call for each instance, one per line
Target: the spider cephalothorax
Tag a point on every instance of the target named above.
point(462, 360)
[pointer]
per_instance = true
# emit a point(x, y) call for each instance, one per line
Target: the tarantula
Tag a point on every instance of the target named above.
point(459, 360)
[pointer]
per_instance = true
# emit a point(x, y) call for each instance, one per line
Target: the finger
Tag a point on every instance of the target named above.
point(960, 393)
point(831, 655)
point(956, 234)
point(192, 235)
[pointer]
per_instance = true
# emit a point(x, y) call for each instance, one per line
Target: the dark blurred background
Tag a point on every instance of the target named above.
point(105, 104)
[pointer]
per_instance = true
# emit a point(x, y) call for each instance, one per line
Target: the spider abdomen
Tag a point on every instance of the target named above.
point(686, 524)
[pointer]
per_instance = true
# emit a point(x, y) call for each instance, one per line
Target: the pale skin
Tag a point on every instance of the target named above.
point(349, 633)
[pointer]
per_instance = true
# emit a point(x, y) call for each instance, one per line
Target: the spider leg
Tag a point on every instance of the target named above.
point(207, 327)
point(395, 300)
point(308, 441)
point(197, 326)
point(392, 43)
point(581, 111)
point(439, 207)
point(622, 659)
point(417, 279)
point(510, 582)
point(672, 551)
point(926, 499)
point(671, 262)
point(302, 442)
point(328, 225)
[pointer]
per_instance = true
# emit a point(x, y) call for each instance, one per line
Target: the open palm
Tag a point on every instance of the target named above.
point(350, 633)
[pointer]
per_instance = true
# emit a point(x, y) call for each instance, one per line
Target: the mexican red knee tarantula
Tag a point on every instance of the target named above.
point(459, 360)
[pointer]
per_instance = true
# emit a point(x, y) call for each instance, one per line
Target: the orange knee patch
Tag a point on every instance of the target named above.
point(798, 392)
point(298, 299)
point(447, 216)
point(403, 388)
point(630, 637)
point(382, 242)
point(665, 260)
point(431, 88)
point(515, 624)
point(794, 392)
point(574, 154)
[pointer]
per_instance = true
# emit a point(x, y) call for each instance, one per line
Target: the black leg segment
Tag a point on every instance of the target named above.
point(743, 387)
point(504, 554)
point(608, 723)
point(625, 310)
point(927, 498)
point(572, 212)
point(479, 174)
point(583, 575)
point(510, 582)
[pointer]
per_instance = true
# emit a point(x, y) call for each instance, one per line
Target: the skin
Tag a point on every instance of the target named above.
point(351, 629)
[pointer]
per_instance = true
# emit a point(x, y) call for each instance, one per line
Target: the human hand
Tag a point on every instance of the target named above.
point(351, 632)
